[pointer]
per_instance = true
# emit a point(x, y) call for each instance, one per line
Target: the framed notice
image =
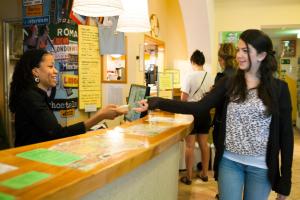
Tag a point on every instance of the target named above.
point(114, 69)
point(288, 48)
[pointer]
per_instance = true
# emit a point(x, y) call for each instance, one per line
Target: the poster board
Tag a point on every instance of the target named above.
point(165, 85)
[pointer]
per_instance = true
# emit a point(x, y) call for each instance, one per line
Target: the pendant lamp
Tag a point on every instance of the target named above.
point(97, 8)
point(135, 17)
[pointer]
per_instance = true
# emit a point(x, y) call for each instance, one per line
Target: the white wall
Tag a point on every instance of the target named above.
point(239, 15)
point(198, 17)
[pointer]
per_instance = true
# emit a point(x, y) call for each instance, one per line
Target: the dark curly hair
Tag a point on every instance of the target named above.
point(22, 77)
point(197, 58)
point(262, 43)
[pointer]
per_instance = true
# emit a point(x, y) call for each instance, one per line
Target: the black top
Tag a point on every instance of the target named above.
point(35, 121)
point(281, 138)
point(228, 72)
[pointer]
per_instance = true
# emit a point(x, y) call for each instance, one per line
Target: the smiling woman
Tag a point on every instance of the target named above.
point(255, 127)
point(35, 122)
point(45, 75)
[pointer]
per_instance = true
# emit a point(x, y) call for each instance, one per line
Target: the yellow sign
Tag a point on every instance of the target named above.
point(176, 76)
point(89, 67)
point(70, 80)
point(165, 81)
point(168, 94)
point(35, 10)
point(67, 112)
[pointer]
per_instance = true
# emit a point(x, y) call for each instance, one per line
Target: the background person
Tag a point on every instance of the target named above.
point(227, 60)
point(228, 64)
point(256, 125)
point(195, 86)
point(35, 122)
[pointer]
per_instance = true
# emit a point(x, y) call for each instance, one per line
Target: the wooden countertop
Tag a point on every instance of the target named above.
point(71, 182)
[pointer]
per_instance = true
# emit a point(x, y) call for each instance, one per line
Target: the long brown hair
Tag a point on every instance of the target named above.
point(262, 43)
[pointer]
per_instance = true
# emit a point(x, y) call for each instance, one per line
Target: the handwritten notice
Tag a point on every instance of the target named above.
point(165, 81)
point(176, 76)
point(89, 67)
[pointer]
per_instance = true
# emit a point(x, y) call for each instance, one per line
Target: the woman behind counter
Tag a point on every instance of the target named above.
point(35, 122)
point(256, 125)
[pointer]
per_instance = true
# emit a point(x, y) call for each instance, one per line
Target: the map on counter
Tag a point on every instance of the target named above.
point(50, 157)
point(167, 120)
point(4, 196)
point(24, 180)
point(6, 168)
point(99, 148)
point(145, 129)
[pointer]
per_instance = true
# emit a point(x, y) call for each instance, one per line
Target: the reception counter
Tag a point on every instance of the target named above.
point(137, 160)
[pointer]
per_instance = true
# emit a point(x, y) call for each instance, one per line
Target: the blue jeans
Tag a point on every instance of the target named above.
point(236, 179)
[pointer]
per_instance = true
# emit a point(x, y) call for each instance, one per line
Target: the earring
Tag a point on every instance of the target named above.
point(36, 79)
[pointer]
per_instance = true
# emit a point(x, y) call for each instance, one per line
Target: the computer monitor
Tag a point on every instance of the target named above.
point(136, 93)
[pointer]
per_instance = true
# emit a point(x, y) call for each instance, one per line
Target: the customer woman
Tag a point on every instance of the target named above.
point(256, 123)
point(228, 64)
point(35, 122)
point(195, 86)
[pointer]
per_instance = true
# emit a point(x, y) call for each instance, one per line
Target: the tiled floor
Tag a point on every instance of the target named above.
point(206, 191)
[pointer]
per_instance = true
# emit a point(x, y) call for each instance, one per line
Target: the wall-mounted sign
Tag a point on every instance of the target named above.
point(230, 37)
point(288, 48)
point(285, 61)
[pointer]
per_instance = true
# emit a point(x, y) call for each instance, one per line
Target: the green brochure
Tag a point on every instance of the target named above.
point(24, 180)
point(51, 157)
point(4, 196)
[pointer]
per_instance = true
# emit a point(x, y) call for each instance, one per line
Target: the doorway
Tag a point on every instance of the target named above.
point(154, 53)
point(13, 49)
point(286, 43)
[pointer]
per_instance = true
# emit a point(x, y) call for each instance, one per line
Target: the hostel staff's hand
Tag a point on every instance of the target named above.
point(122, 109)
point(280, 197)
point(109, 112)
point(143, 106)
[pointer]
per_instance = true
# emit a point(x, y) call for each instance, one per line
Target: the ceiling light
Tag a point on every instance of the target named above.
point(135, 17)
point(97, 8)
point(116, 55)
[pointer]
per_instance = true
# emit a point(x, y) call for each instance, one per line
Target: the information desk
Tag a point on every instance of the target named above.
point(137, 160)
